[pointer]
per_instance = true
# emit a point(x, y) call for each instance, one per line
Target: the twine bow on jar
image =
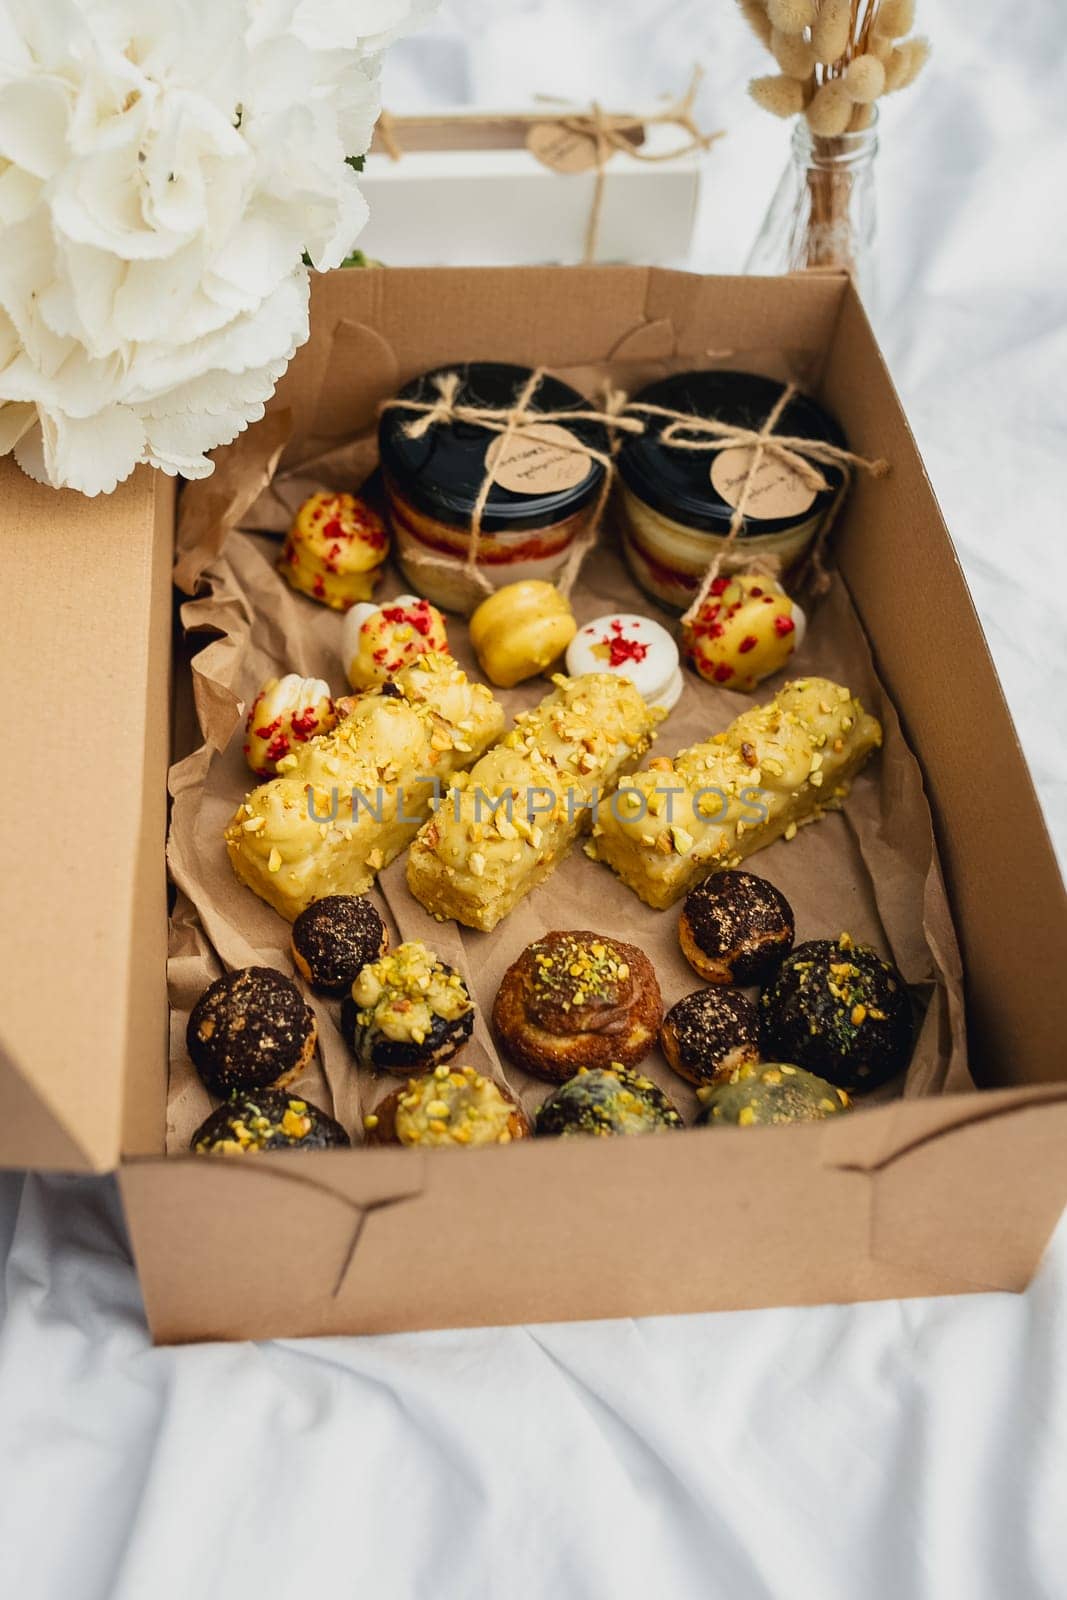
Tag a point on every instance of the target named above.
point(685, 431)
point(507, 422)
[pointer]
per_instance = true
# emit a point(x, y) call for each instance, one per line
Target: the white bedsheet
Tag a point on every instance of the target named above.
point(894, 1451)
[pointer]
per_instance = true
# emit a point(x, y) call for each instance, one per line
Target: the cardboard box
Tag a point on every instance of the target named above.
point(918, 1197)
point(469, 193)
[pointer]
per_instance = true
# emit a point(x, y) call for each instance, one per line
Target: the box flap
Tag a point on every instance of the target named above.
point(914, 1198)
point(80, 826)
point(933, 658)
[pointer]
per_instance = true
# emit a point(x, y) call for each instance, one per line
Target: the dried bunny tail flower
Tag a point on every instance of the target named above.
point(791, 16)
point(896, 18)
point(862, 117)
point(831, 32)
point(783, 97)
point(880, 45)
point(793, 54)
point(830, 111)
point(864, 79)
point(905, 64)
point(755, 14)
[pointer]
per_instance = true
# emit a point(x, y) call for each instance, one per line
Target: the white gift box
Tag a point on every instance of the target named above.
point(468, 189)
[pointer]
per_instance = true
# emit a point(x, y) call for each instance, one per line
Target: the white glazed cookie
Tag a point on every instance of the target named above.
point(285, 714)
point(636, 648)
point(377, 641)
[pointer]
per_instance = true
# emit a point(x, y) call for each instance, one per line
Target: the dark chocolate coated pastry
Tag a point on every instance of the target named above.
point(266, 1120)
point(841, 1011)
point(251, 1029)
point(764, 1095)
point(709, 1035)
point(735, 928)
point(335, 938)
point(578, 999)
point(605, 1102)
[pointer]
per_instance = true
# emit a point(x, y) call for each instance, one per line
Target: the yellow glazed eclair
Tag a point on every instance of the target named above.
point(347, 803)
point(776, 767)
point(506, 824)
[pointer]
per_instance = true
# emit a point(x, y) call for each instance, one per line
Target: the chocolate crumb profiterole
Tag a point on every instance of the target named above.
point(735, 928)
point(251, 1029)
point(605, 1102)
point(770, 1094)
point(266, 1120)
point(838, 1009)
point(407, 1012)
point(578, 999)
point(449, 1106)
point(710, 1035)
point(335, 938)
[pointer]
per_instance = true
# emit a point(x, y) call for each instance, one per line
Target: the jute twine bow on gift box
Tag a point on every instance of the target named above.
point(596, 135)
point(508, 422)
point(802, 456)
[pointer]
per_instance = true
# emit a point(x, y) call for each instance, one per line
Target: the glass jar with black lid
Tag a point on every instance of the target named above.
point(677, 504)
point(544, 490)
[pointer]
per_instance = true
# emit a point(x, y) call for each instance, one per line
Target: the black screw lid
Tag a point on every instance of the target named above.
point(441, 472)
point(678, 482)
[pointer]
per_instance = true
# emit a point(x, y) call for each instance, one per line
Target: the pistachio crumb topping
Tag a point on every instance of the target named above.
point(403, 993)
point(454, 1105)
point(574, 971)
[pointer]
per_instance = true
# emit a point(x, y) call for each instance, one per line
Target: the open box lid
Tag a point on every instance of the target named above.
point(84, 652)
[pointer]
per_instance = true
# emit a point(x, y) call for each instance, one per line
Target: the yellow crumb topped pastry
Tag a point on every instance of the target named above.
point(506, 824)
point(346, 803)
point(407, 1011)
point(449, 1106)
point(285, 714)
point(774, 768)
point(377, 641)
point(335, 550)
point(747, 629)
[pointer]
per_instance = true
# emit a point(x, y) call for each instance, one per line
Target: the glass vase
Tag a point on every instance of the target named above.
point(823, 213)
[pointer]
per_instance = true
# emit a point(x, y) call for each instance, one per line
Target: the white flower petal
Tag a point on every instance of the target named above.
point(20, 192)
point(155, 295)
point(15, 420)
point(332, 231)
point(91, 454)
point(164, 167)
point(260, 251)
point(34, 114)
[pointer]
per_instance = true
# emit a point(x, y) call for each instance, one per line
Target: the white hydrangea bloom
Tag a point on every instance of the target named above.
point(164, 165)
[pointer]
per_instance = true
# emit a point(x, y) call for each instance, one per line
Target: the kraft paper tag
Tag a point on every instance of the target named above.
point(538, 460)
point(776, 490)
point(561, 148)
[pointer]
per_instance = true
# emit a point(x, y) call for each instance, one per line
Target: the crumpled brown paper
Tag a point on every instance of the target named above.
point(871, 870)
